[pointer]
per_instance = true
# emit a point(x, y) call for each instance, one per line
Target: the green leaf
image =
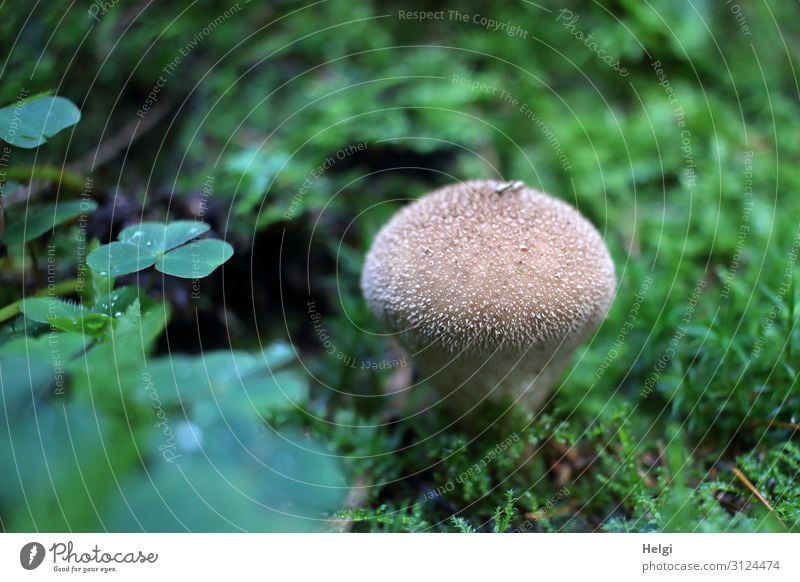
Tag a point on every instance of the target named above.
point(157, 238)
point(41, 218)
point(278, 354)
point(110, 371)
point(28, 124)
point(62, 446)
point(95, 286)
point(182, 231)
point(92, 321)
point(229, 475)
point(195, 260)
point(28, 366)
point(142, 245)
point(230, 381)
point(148, 236)
point(120, 258)
point(116, 303)
point(64, 315)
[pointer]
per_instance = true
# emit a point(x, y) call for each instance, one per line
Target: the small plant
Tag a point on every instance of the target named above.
point(461, 524)
point(503, 515)
point(165, 246)
point(75, 347)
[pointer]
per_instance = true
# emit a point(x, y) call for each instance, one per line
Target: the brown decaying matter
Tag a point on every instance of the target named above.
point(492, 286)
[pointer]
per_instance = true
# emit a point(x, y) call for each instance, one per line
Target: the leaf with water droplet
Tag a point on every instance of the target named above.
point(195, 260)
point(182, 231)
point(159, 237)
point(117, 302)
point(65, 315)
point(120, 258)
point(148, 236)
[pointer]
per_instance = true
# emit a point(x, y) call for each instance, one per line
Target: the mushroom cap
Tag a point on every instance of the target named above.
point(485, 267)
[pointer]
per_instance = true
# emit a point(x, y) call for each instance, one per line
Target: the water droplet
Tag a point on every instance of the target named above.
point(189, 436)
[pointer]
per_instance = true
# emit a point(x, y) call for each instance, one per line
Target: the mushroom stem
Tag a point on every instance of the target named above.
point(467, 380)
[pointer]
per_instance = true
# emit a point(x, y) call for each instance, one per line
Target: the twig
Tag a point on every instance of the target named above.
point(750, 487)
point(108, 149)
point(355, 500)
point(540, 514)
point(782, 424)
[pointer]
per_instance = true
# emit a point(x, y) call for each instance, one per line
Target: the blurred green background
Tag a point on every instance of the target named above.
point(296, 131)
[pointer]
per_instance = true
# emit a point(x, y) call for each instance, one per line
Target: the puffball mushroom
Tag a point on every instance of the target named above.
point(491, 286)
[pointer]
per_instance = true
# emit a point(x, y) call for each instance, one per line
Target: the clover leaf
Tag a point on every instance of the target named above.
point(165, 246)
point(30, 123)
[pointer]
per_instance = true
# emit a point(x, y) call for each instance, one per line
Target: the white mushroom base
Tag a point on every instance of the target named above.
point(463, 382)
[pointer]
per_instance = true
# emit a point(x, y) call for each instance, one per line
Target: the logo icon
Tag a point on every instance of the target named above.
point(31, 555)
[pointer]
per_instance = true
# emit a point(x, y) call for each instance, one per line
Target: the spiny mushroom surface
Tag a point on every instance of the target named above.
point(491, 286)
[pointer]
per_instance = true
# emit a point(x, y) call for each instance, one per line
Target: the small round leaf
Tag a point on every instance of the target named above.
point(182, 231)
point(156, 237)
point(28, 124)
point(195, 260)
point(120, 258)
point(148, 236)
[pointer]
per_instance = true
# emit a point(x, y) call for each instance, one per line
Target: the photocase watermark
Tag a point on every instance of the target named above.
point(83, 218)
point(568, 20)
point(5, 151)
point(172, 66)
point(744, 226)
point(67, 559)
point(54, 335)
point(207, 193)
point(741, 19)
point(5, 158)
point(347, 360)
point(666, 357)
point(169, 448)
point(31, 555)
point(474, 470)
point(787, 278)
point(680, 120)
point(524, 109)
point(100, 8)
point(16, 116)
point(543, 511)
point(627, 327)
point(512, 30)
point(316, 173)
